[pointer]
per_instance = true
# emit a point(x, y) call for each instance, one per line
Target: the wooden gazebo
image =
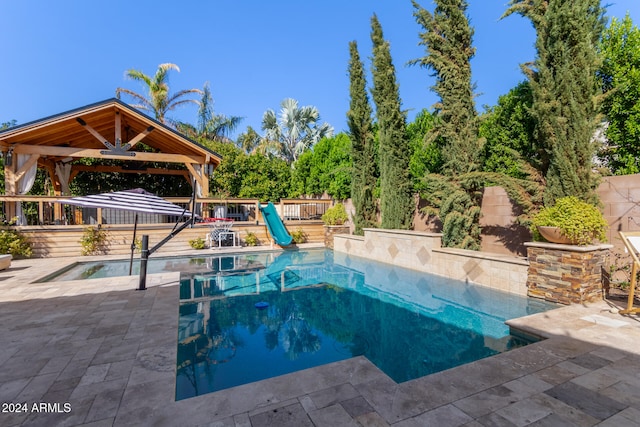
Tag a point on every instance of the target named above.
point(109, 129)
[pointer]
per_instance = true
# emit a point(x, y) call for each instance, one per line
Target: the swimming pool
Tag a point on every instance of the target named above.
point(248, 317)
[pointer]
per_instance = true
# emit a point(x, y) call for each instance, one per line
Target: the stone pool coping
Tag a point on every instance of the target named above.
point(110, 351)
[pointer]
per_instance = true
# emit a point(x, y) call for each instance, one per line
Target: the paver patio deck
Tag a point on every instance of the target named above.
point(109, 352)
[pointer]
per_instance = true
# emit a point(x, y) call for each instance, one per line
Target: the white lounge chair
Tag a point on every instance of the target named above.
point(631, 241)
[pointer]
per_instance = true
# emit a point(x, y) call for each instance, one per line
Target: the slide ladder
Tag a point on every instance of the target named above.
point(275, 225)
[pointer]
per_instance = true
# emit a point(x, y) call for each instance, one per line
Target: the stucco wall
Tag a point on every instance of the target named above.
point(619, 195)
point(500, 233)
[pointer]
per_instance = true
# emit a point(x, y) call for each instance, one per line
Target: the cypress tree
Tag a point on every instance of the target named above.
point(396, 193)
point(363, 177)
point(448, 41)
point(565, 91)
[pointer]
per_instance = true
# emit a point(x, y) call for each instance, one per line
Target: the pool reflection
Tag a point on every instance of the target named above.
point(224, 342)
point(317, 307)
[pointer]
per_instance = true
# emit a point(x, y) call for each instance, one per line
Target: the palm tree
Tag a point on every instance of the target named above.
point(158, 101)
point(211, 126)
point(7, 125)
point(248, 141)
point(297, 130)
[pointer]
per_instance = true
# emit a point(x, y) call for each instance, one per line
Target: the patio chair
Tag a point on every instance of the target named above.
point(631, 242)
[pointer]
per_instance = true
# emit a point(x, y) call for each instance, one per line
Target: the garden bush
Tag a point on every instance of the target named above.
point(579, 221)
point(15, 243)
point(335, 215)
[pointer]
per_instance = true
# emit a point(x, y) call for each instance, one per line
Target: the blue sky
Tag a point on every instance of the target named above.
point(66, 54)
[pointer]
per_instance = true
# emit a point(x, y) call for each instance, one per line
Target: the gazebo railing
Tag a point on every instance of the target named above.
point(45, 210)
point(300, 209)
point(235, 209)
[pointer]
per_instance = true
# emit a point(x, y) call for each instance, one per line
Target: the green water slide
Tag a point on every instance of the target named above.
point(275, 225)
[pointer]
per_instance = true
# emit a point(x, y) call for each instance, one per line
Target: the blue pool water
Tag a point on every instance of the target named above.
point(102, 269)
point(244, 318)
point(247, 317)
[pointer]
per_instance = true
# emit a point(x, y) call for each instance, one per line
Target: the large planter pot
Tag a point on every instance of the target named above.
point(555, 235)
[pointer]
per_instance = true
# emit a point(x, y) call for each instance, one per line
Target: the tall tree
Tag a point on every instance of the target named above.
point(7, 125)
point(248, 141)
point(447, 39)
point(158, 99)
point(396, 190)
point(324, 168)
point(426, 157)
point(508, 128)
point(297, 129)
point(211, 126)
point(363, 156)
point(620, 73)
point(248, 175)
point(565, 91)
point(535, 10)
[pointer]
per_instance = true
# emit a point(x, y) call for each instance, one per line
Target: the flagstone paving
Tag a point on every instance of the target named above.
point(100, 353)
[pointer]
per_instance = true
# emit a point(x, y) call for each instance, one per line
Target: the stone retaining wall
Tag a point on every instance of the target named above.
point(564, 274)
point(332, 230)
point(422, 251)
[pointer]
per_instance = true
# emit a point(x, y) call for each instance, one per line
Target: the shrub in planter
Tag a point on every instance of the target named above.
point(580, 222)
point(94, 241)
point(251, 239)
point(15, 243)
point(299, 236)
point(335, 215)
point(197, 243)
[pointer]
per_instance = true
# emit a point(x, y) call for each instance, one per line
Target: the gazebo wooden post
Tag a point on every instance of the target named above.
point(13, 175)
point(10, 166)
point(57, 191)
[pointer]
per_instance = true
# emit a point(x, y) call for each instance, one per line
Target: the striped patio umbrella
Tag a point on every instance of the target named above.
point(135, 200)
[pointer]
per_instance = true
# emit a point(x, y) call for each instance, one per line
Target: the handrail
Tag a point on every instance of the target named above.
point(35, 198)
point(45, 210)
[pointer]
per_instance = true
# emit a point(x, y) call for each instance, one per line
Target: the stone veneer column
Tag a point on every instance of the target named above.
point(565, 274)
point(330, 230)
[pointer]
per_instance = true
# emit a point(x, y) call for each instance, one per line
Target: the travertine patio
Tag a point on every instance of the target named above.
point(110, 352)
